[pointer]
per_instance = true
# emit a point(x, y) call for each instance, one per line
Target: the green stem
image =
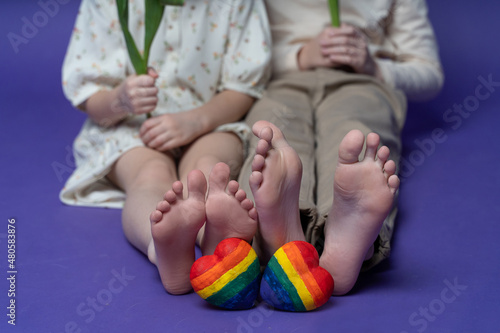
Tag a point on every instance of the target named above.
point(172, 2)
point(153, 17)
point(334, 12)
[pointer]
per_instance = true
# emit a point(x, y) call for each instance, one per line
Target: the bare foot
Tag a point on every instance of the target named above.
point(275, 184)
point(229, 212)
point(363, 195)
point(174, 226)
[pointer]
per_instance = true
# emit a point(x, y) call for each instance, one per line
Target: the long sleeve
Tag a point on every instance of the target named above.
point(400, 37)
point(246, 64)
point(96, 58)
point(413, 65)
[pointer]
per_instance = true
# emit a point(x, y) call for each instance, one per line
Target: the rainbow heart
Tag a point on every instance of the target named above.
point(293, 279)
point(230, 277)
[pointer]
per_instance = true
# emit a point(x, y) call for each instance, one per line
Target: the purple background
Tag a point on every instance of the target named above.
point(448, 227)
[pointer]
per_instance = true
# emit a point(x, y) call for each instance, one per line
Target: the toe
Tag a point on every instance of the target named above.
point(258, 163)
point(372, 142)
point(232, 187)
point(263, 147)
point(197, 185)
point(351, 146)
point(390, 168)
point(382, 156)
point(262, 129)
point(218, 178)
point(240, 195)
point(177, 188)
point(255, 181)
point(266, 133)
point(247, 204)
point(163, 206)
point(253, 213)
point(393, 183)
point(155, 216)
point(171, 196)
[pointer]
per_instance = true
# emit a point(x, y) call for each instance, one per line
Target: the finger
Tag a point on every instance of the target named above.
point(328, 31)
point(145, 109)
point(341, 50)
point(152, 72)
point(157, 135)
point(341, 59)
point(170, 142)
point(147, 91)
point(343, 41)
point(147, 125)
point(139, 96)
point(166, 146)
point(159, 141)
point(145, 102)
point(145, 81)
point(324, 61)
point(345, 31)
point(348, 30)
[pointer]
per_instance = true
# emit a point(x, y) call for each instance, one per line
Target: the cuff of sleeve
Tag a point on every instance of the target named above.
point(254, 91)
point(286, 59)
point(84, 93)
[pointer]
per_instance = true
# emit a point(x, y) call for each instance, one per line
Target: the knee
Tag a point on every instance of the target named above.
point(205, 164)
point(155, 172)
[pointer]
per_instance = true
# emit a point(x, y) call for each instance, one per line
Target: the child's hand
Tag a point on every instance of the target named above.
point(138, 94)
point(335, 47)
point(169, 131)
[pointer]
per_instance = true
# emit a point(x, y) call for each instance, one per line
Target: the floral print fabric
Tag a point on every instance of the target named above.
point(200, 49)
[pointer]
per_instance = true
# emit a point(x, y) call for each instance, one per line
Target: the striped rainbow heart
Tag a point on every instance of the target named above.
point(230, 277)
point(293, 279)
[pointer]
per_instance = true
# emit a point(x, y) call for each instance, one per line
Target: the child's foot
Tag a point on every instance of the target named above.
point(229, 212)
point(275, 184)
point(174, 226)
point(363, 195)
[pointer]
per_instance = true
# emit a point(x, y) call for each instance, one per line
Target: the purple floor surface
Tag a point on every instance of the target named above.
point(77, 273)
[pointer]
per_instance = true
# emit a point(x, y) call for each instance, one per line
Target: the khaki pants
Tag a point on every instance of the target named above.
point(315, 110)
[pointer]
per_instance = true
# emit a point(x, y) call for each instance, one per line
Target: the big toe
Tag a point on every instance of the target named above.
point(351, 146)
point(260, 130)
point(271, 133)
point(197, 185)
point(219, 178)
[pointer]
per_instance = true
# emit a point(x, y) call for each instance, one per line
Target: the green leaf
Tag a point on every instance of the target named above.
point(172, 2)
point(139, 64)
point(154, 14)
point(334, 12)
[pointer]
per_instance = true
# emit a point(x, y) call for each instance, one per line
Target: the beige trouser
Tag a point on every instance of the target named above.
point(315, 110)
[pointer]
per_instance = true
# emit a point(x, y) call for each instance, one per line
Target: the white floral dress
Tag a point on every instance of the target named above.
point(200, 49)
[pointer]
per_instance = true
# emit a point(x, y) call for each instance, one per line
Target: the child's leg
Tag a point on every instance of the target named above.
point(145, 175)
point(363, 195)
point(208, 150)
point(174, 225)
point(366, 105)
point(287, 105)
point(275, 184)
point(229, 213)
